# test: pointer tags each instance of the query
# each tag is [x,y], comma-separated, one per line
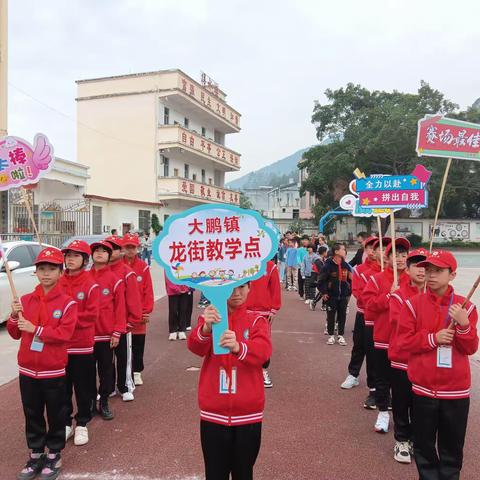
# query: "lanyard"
[447,318]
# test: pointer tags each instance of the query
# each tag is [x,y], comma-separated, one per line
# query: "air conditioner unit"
[106,228]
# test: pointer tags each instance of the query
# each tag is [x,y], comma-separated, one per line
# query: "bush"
[415,240]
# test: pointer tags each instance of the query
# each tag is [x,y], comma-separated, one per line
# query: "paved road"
[312,431]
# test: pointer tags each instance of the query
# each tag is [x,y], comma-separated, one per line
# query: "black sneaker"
[32,468]
[370,403]
[104,410]
[51,469]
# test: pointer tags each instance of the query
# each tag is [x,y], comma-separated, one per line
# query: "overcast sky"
[273,58]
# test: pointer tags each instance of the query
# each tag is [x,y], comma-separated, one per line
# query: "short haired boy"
[439,333]
[131,245]
[376,297]
[231,392]
[44,321]
[79,284]
[398,356]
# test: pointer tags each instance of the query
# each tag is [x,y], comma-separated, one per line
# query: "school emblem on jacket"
[225,381]
[139,278]
[105,291]
[57,314]
[246,334]
[80,296]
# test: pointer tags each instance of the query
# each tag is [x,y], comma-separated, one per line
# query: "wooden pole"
[394,250]
[379,224]
[26,201]
[439,204]
[3,67]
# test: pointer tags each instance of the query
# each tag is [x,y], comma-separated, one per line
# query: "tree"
[297,226]
[245,202]
[156,227]
[376,132]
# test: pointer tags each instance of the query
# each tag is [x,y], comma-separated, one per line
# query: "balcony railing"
[175,186]
[175,134]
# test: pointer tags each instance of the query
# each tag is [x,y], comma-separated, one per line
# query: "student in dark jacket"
[358,258]
[335,287]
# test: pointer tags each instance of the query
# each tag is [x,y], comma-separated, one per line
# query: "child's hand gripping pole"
[218,297]
[467,299]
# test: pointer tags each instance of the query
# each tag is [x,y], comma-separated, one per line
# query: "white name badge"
[225,381]
[444,356]
[37,344]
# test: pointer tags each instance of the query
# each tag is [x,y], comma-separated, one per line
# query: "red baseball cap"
[370,241]
[115,240]
[418,252]
[130,240]
[78,246]
[385,241]
[50,255]
[399,242]
[441,259]
[103,244]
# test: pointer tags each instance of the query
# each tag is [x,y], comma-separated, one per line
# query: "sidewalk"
[313,430]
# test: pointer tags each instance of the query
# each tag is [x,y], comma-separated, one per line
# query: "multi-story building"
[155,143]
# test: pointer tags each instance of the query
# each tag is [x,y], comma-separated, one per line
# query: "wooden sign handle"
[394,250]
[379,224]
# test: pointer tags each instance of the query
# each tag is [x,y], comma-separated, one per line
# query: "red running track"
[312,430]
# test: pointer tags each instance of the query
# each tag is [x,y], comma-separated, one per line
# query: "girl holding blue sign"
[230,392]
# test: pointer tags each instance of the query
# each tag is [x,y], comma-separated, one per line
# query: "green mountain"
[275,174]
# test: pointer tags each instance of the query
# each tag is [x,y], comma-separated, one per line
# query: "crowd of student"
[415,334]
[79,324]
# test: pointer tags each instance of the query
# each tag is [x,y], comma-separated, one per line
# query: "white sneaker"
[350,382]
[189,328]
[137,378]
[325,332]
[81,436]
[401,452]
[341,341]
[331,340]
[182,336]
[68,432]
[128,397]
[173,336]
[113,394]
[307,302]
[383,420]
[267,383]
[98,397]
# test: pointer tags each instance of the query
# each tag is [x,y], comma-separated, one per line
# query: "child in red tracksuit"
[79,284]
[111,322]
[131,244]
[398,356]
[133,318]
[376,298]
[231,393]
[265,298]
[44,321]
[439,335]
[360,276]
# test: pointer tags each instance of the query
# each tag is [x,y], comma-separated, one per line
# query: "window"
[144,220]
[36,249]
[186,171]
[22,255]
[97,220]
[194,177]
[166,167]
[175,172]
[186,122]
[166,116]
[203,176]
[204,132]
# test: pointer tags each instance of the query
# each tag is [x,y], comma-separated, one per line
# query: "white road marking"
[297,333]
[114,475]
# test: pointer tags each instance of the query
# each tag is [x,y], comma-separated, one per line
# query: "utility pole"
[3,67]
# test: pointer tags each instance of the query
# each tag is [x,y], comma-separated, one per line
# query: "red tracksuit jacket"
[376,298]
[85,291]
[145,286]
[133,302]
[420,319]
[361,274]
[54,328]
[397,354]
[242,402]
[265,295]
[111,320]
